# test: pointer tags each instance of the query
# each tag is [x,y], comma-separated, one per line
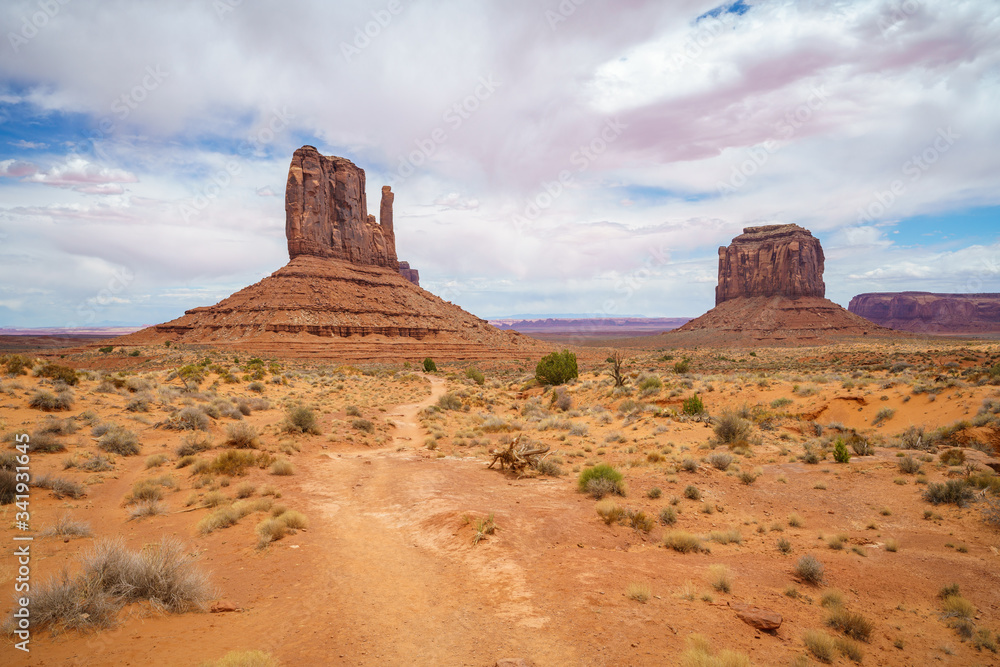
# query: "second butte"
[343,294]
[771,292]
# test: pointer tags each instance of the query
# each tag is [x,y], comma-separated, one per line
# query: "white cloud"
[173,104]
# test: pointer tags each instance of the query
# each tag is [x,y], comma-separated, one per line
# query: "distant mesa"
[343,294]
[927,312]
[771,292]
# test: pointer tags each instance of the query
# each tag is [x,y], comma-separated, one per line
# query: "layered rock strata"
[927,312]
[774,260]
[343,294]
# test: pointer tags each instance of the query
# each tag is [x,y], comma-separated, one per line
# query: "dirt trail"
[402,582]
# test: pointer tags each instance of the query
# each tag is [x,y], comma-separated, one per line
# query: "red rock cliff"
[774,260]
[326,212]
[929,312]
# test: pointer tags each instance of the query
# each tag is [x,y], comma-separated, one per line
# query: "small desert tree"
[557,368]
[429,365]
[617,361]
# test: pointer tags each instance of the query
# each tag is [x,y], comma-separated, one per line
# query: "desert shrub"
[232,462]
[475,375]
[640,520]
[954,491]
[809,570]
[784,546]
[860,445]
[820,644]
[430,366]
[282,467]
[682,366]
[952,457]
[638,591]
[59,486]
[556,368]
[46,401]
[693,405]
[44,443]
[852,624]
[241,435]
[689,465]
[699,653]
[17,365]
[668,516]
[8,486]
[300,419]
[681,541]
[731,536]
[146,508]
[112,576]
[609,511]
[155,461]
[654,493]
[92,463]
[194,444]
[67,527]
[148,489]
[913,438]
[748,477]
[57,372]
[245,490]
[720,578]
[139,403]
[55,426]
[364,425]
[561,400]
[549,468]
[449,401]
[721,460]
[270,530]
[601,480]
[650,384]
[731,428]
[840,452]
[245,659]
[691,492]
[190,418]
[991,510]
[908,465]
[119,440]
[885,414]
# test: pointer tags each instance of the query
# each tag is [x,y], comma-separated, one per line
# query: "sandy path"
[401,581]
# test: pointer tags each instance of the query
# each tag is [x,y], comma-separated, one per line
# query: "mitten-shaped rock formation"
[775,260]
[326,212]
[343,295]
[770,292]
[926,312]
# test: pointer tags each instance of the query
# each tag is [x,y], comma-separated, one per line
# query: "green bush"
[475,374]
[430,366]
[557,368]
[840,452]
[107,349]
[682,366]
[57,372]
[601,480]
[693,406]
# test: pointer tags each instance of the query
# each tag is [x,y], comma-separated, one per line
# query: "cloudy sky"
[548,156]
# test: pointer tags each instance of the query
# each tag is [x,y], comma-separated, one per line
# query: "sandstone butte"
[343,294]
[771,292]
[926,312]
